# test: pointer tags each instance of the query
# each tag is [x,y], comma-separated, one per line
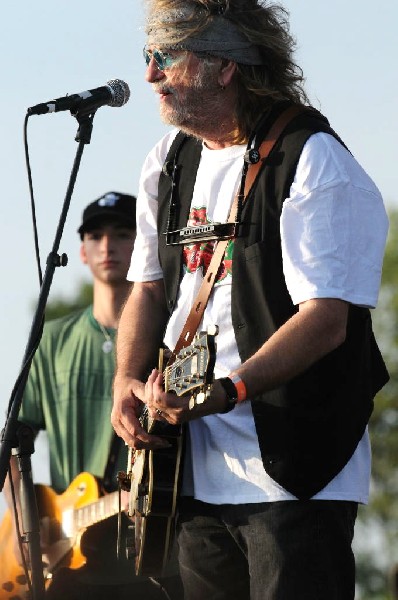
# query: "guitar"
[154,474]
[63,520]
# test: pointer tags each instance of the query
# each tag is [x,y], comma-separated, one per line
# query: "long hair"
[265,24]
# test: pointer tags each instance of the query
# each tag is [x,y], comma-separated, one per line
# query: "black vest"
[309,428]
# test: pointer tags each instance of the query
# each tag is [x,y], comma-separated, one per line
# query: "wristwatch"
[231,392]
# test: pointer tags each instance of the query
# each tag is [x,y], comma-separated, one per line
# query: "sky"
[347,50]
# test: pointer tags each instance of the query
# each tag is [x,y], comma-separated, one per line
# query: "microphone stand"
[19,438]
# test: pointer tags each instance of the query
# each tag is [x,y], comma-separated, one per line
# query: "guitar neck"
[97,511]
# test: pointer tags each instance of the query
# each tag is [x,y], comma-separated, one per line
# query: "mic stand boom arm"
[12,431]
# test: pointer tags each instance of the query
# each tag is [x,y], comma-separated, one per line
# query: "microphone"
[115,93]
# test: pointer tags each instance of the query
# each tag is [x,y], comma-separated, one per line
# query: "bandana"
[220,38]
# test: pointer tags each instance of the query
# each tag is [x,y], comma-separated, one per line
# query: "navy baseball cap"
[112,205]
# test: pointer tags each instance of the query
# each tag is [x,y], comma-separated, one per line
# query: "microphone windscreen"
[120,92]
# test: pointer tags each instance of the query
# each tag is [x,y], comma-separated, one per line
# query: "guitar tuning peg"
[200,398]
[212,329]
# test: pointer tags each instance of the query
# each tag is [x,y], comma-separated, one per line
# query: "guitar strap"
[198,307]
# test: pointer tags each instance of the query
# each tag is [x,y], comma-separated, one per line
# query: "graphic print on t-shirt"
[199,254]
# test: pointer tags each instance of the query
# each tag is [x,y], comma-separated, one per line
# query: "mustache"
[161,88]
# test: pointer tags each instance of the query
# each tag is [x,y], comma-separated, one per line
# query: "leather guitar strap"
[195,316]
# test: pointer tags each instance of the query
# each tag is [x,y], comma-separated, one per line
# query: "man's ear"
[83,256]
[227,71]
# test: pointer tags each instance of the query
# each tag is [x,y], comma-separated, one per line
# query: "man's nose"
[106,243]
[153,73]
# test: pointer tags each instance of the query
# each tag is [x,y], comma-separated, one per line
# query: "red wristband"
[240,387]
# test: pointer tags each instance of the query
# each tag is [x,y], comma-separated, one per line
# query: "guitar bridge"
[130,543]
[141,504]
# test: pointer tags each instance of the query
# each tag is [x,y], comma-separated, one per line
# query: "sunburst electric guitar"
[154,474]
[63,520]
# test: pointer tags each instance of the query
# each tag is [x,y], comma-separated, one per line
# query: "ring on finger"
[159,412]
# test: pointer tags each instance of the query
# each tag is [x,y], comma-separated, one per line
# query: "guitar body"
[62,541]
[155,474]
[12,577]
[56,511]
[156,502]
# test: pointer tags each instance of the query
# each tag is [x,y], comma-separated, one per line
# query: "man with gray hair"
[277,455]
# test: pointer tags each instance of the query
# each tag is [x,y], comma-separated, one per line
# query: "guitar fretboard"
[92,513]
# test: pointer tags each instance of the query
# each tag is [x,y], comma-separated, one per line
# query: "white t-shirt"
[333,230]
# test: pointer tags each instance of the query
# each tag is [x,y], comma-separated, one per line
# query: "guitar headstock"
[192,371]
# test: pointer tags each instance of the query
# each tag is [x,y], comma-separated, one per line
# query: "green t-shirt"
[68,394]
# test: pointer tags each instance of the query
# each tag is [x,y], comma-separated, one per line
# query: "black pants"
[290,550]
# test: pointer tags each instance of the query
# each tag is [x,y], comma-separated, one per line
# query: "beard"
[193,107]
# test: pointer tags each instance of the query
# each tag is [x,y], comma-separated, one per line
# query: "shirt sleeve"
[145,264]
[333,227]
